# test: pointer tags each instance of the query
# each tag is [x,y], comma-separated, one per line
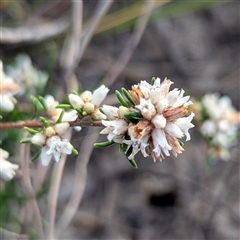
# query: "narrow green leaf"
[80,111]
[121,99]
[44,122]
[153,80]
[42,101]
[74,151]
[128,96]
[26,140]
[60,117]
[104,144]
[181,143]
[64,106]
[133,163]
[36,103]
[75,92]
[36,155]
[30,130]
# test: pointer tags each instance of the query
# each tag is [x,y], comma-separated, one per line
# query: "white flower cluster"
[7,89]
[220,124]
[26,75]
[159,121]
[7,169]
[88,103]
[52,142]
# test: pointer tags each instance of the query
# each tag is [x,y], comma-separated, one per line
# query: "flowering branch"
[39,124]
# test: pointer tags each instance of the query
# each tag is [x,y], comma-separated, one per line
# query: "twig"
[38,124]
[53,193]
[35,33]
[79,181]
[24,164]
[98,14]
[127,52]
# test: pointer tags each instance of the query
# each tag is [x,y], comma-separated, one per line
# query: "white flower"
[163,113]
[163,121]
[54,113]
[115,129]
[26,75]
[99,95]
[7,89]
[220,125]
[89,102]
[54,147]
[52,143]
[7,169]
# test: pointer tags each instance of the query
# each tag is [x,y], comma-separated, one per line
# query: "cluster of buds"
[218,122]
[151,119]
[52,142]
[87,103]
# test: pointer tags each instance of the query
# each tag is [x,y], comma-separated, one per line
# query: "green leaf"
[121,99]
[36,155]
[181,143]
[133,163]
[26,140]
[153,80]
[60,117]
[74,151]
[80,111]
[104,144]
[36,103]
[75,92]
[42,101]
[44,122]
[30,130]
[64,106]
[128,96]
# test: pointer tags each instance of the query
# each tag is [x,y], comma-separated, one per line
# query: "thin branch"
[80,177]
[131,45]
[24,163]
[35,33]
[38,124]
[53,193]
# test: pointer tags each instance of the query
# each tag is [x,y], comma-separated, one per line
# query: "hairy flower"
[7,89]
[162,124]
[7,169]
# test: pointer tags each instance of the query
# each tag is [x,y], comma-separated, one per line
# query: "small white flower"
[52,142]
[54,147]
[99,95]
[7,169]
[115,129]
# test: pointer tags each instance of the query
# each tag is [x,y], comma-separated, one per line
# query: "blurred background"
[118,43]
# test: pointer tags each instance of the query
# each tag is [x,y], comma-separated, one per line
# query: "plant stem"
[38,124]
